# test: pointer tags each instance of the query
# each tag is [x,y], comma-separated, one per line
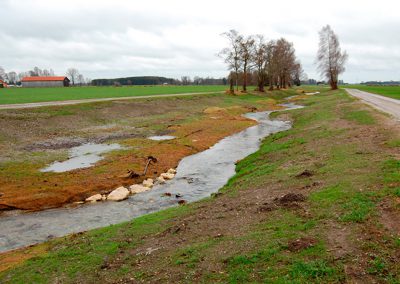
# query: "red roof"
[3,83]
[33,79]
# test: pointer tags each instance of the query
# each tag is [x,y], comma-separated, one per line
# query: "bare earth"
[74,102]
[388,105]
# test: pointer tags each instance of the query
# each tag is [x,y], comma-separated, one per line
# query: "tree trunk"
[231,90]
[236,80]
[261,86]
[271,84]
[245,77]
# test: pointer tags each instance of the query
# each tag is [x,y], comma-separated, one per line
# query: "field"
[387,91]
[33,95]
[316,204]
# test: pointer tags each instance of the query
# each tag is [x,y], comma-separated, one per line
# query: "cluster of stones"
[122,193]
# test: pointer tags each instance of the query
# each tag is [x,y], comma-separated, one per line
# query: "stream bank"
[194,181]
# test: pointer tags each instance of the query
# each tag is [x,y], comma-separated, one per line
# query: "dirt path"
[74,102]
[388,105]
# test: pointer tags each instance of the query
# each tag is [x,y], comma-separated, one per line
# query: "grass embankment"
[339,223]
[34,95]
[387,91]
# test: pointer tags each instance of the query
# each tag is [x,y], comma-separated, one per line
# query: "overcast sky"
[172,38]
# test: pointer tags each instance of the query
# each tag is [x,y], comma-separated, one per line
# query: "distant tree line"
[155,80]
[382,83]
[252,59]
[14,78]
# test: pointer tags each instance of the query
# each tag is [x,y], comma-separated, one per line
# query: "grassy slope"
[388,91]
[29,95]
[350,182]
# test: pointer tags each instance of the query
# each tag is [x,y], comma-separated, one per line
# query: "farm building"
[3,84]
[59,81]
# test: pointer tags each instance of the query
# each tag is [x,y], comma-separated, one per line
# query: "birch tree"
[231,54]
[330,58]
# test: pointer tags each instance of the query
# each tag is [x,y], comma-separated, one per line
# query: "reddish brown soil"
[15,257]
[37,192]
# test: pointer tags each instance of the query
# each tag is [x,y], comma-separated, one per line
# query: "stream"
[198,176]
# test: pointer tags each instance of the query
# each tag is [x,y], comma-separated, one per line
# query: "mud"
[302,243]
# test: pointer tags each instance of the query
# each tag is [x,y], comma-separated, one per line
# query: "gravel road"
[388,105]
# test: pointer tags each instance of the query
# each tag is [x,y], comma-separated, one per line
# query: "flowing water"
[198,176]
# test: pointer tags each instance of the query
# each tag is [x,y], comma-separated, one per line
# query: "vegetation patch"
[360,116]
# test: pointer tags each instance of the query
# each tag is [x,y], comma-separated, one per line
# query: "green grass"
[30,95]
[360,116]
[348,197]
[387,91]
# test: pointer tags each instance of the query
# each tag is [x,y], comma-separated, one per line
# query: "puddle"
[310,94]
[198,176]
[83,156]
[161,138]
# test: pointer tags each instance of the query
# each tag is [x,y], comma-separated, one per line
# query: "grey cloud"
[174,38]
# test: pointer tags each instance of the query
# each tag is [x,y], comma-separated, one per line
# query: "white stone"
[137,188]
[93,198]
[167,176]
[171,171]
[118,194]
[161,180]
[148,183]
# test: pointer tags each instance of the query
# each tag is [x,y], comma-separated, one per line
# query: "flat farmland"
[387,91]
[35,95]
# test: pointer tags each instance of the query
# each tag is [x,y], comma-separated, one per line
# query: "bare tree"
[12,77]
[73,74]
[81,79]
[185,80]
[271,63]
[37,71]
[330,58]
[46,73]
[297,74]
[246,54]
[231,54]
[285,60]
[21,75]
[2,73]
[259,59]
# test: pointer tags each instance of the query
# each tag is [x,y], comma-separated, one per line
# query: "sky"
[174,38]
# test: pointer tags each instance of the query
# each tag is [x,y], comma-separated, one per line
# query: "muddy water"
[83,156]
[198,176]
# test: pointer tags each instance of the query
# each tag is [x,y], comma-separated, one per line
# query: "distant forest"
[154,80]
